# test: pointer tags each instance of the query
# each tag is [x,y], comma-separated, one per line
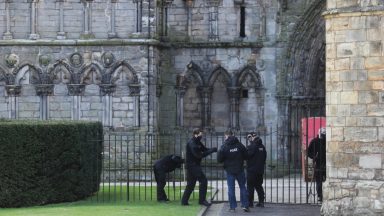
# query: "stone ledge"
[353,11]
[128,42]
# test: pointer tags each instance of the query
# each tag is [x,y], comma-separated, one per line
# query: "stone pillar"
[205,93]
[234,98]
[107,90]
[213,20]
[13,91]
[8,34]
[189,4]
[355,108]
[134,91]
[61,35]
[76,91]
[33,22]
[87,21]
[180,92]
[112,33]
[44,90]
[139,15]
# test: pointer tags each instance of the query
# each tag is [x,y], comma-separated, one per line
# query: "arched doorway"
[304,76]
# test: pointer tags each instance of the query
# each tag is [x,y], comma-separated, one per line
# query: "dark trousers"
[255,181]
[160,178]
[194,174]
[319,177]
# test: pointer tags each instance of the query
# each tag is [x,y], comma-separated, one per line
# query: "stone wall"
[354,85]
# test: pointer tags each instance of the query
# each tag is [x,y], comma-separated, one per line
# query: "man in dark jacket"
[233,154]
[161,168]
[195,152]
[316,151]
[257,156]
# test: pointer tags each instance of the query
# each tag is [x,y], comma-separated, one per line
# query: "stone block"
[342,64]
[373,161]
[350,97]
[359,110]
[375,109]
[340,23]
[375,63]
[346,50]
[357,63]
[361,134]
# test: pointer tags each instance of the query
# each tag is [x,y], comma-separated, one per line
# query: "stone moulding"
[13,90]
[44,89]
[354,11]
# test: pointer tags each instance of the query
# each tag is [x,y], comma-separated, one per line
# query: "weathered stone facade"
[354,85]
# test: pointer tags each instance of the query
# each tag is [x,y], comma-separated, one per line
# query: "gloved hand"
[214,149]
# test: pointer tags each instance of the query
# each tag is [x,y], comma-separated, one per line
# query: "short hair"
[197,131]
[228,132]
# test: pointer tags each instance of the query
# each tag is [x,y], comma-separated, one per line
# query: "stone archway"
[304,75]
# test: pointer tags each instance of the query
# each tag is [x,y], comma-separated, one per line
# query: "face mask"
[199,137]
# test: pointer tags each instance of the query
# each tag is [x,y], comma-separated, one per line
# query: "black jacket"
[168,163]
[196,151]
[232,153]
[316,151]
[257,156]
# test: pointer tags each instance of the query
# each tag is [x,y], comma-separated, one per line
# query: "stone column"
[213,20]
[13,91]
[61,35]
[76,91]
[107,90]
[134,90]
[205,93]
[44,90]
[234,98]
[355,108]
[189,4]
[87,21]
[180,92]
[139,15]
[112,33]
[8,34]
[33,22]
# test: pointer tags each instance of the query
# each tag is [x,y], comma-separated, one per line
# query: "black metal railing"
[128,159]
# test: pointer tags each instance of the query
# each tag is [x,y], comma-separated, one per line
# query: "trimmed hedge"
[48,161]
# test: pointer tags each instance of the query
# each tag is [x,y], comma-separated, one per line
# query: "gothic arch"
[4,76]
[92,73]
[254,79]
[22,70]
[117,69]
[192,75]
[305,65]
[216,73]
[63,73]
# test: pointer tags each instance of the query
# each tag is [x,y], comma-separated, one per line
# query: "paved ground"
[221,209]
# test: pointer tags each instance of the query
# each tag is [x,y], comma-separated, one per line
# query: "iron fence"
[128,159]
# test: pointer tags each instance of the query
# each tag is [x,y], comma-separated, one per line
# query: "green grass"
[112,200]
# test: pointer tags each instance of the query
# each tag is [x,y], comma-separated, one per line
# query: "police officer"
[257,156]
[195,152]
[233,154]
[316,151]
[161,167]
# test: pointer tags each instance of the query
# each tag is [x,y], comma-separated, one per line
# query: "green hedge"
[48,161]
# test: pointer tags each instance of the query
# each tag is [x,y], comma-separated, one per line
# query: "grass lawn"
[113,201]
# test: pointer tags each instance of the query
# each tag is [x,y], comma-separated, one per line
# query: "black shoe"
[205,203]
[163,200]
[251,205]
[246,209]
[185,204]
[260,205]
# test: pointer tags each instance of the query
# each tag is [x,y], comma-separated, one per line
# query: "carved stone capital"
[44,89]
[213,3]
[134,89]
[107,89]
[205,91]
[233,92]
[76,89]
[13,90]
[238,2]
[180,91]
